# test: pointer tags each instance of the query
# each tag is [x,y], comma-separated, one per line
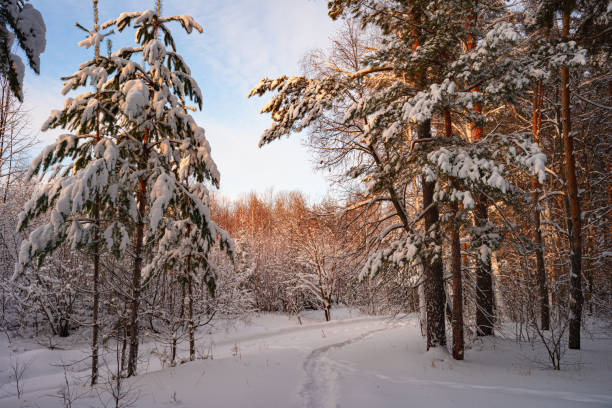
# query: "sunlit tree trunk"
[576,297]
[537,231]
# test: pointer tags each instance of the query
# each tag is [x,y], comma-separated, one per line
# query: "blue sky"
[243,41]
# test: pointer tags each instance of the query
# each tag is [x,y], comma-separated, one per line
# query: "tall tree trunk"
[608,230]
[457,287]
[96,245]
[138,255]
[537,232]
[576,297]
[435,296]
[484,281]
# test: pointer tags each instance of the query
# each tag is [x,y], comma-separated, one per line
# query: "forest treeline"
[469,143]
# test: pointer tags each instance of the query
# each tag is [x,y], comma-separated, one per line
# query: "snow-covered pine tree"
[169,154]
[420,86]
[79,192]
[153,158]
[96,238]
[20,20]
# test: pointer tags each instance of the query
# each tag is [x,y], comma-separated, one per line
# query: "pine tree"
[151,162]
[96,240]
[407,85]
[170,154]
[81,191]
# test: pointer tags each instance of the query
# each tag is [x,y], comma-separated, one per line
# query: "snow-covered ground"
[354,361]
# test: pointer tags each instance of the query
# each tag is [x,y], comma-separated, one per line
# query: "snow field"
[353,361]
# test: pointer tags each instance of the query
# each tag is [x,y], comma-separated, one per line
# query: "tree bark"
[96,298]
[457,287]
[484,281]
[124,336]
[576,298]
[138,255]
[191,322]
[96,245]
[537,232]
[608,234]
[435,296]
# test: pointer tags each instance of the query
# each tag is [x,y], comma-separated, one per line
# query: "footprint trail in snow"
[322,373]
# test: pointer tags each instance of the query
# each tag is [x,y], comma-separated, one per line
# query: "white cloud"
[282,166]
[243,41]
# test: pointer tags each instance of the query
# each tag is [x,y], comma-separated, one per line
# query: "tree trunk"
[542,282]
[96,300]
[574,204]
[608,231]
[96,245]
[191,322]
[173,350]
[4,107]
[133,354]
[457,287]
[64,327]
[124,336]
[457,317]
[484,282]
[537,232]
[500,303]
[422,309]
[10,168]
[435,296]
[137,269]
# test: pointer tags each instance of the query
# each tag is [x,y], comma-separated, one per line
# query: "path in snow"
[319,390]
